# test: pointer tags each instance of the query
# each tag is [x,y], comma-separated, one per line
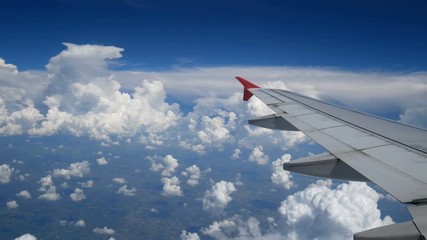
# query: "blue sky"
[122,119]
[159,34]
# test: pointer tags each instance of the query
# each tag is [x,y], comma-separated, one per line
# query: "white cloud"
[237,228]
[124,190]
[7,66]
[87,184]
[236,154]
[189,236]
[119,180]
[194,175]
[78,169]
[258,156]
[5,173]
[50,194]
[49,189]
[170,164]
[217,228]
[155,167]
[238,180]
[102,161]
[84,98]
[15,123]
[250,229]
[45,182]
[415,116]
[279,176]
[12,204]
[26,236]
[171,186]
[214,130]
[321,212]
[78,195]
[104,231]
[80,223]
[217,198]
[24,194]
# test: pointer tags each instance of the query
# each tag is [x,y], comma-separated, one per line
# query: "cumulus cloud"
[217,228]
[7,66]
[236,154]
[102,161]
[189,236]
[5,173]
[50,194]
[87,184]
[279,176]
[26,236]
[237,228]
[214,129]
[258,156]
[12,204]
[104,231]
[171,186]
[119,180]
[78,169]
[78,195]
[24,194]
[194,174]
[218,197]
[415,116]
[321,212]
[167,164]
[45,182]
[170,164]
[80,223]
[49,189]
[124,190]
[19,90]
[84,98]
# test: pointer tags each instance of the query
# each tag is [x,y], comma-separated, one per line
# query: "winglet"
[246,85]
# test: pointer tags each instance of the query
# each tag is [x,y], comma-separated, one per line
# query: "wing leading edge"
[360,147]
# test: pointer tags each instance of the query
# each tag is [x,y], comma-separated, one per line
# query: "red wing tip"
[246,84]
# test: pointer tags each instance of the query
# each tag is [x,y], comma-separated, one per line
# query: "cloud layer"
[79,94]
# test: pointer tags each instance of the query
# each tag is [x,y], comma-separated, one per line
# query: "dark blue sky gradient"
[387,34]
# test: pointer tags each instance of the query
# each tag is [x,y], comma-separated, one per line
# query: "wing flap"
[273,121]
[324,165]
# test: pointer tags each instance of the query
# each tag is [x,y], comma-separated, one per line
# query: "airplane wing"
[360,147]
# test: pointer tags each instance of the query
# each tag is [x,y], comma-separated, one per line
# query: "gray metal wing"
[360,147]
